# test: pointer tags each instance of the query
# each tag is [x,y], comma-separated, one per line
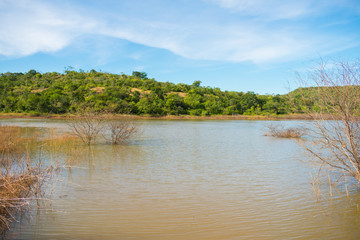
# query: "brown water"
[192,180]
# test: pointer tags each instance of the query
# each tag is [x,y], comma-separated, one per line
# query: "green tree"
[142,75]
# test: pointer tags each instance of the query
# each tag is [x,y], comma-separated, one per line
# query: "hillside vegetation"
[71,91]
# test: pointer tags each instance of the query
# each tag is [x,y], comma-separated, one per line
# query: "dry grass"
[98,90]
[38,90]
[180,94]
[57,139]
[9,139]
[142,92]
[15,141]
[21,175]
[281,132]
[18,188]
[68,145]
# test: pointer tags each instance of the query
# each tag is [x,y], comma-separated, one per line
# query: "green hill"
[57,93]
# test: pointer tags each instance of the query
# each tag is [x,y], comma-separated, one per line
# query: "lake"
[191,180]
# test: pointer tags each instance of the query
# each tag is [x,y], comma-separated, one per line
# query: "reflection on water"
[192,180]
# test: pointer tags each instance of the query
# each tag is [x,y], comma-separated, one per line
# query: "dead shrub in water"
[335,131]
[17,189]
[90,125]
[87,127]
[21,177]
[119,131]
[282,132]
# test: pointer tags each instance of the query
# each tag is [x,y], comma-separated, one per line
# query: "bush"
[281,132]
[90,125]
[21,178]
[119,131]
[336,122]
[87,127]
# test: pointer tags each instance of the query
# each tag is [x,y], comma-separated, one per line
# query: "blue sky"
[238,45]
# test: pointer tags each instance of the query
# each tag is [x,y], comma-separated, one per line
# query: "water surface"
[192,180]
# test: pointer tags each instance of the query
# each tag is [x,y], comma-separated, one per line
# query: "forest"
[69,92]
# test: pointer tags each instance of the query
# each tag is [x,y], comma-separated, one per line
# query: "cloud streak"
[28,27]
[266,9]
[279,10]
[256,31]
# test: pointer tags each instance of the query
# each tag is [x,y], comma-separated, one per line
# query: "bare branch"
[119,131]
[336,125]
[87,127]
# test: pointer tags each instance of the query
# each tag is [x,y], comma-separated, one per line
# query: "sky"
[236,45]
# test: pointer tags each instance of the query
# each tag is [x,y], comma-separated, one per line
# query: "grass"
[22,176]
[9,139]
[17,189]
[60,142]
[16,140]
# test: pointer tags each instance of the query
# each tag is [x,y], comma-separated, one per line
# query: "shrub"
[90,125]
[282,132]
[87,127]
[336,122]
[21,177]
[119,131]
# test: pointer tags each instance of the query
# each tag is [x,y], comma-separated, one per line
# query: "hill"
[71,91]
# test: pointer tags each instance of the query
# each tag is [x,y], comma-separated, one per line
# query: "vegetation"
[89,126]
[282,132]
[54,93]
[336,125]
[118,132]
[21,176]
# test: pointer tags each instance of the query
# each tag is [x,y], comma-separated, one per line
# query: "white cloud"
[267,8]
[278,9]
[29,27]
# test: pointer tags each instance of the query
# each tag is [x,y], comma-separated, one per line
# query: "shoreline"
[167,117]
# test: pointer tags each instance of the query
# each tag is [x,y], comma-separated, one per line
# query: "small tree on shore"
[336,117]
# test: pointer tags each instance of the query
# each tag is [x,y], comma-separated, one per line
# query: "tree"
[248,101]
[119,131]
[142,75]
[88,127]
[336,117]
[174,104]
[196,83]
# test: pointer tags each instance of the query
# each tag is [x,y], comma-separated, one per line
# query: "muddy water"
[192,180]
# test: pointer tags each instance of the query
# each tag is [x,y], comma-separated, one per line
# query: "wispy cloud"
[256,30]
[28,27]
[276,10]
[269,9]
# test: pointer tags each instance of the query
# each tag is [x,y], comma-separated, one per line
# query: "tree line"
[71,91]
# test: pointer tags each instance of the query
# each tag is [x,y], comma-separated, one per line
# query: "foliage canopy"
[71,91]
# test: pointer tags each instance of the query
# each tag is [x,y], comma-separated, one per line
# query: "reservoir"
[189,179]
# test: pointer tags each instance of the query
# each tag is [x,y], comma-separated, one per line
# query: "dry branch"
[21,177]
[87,127]
[281,132]
[119,131]
[336,125]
